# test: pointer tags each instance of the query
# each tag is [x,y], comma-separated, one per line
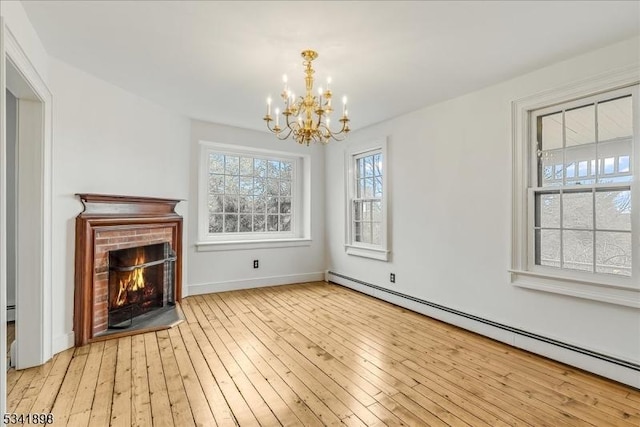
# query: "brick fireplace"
[108,225]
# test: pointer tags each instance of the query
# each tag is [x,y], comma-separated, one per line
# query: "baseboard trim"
[620,370]
[233,285]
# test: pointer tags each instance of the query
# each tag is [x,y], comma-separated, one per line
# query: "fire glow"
[132,283]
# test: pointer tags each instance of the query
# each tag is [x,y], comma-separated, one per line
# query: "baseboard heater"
[604,357]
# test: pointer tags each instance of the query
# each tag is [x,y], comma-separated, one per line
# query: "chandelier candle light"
[307,118]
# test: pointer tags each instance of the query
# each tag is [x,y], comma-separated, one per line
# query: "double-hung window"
[367,207]
[580,201]
[581,193]
[249,195]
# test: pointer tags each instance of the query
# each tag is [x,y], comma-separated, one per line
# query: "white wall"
[450,213]
[225,270]
[108,141]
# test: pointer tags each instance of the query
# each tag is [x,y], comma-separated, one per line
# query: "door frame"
[35,346]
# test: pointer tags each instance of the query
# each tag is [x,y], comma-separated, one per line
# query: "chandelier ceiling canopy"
[307,118]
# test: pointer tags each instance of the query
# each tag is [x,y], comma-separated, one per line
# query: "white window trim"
[379,252]
[614,290]
[301,220]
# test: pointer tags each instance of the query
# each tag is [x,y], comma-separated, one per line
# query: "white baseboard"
[233,285]
[609,367]
[63,342]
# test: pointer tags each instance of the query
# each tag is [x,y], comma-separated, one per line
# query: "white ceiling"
[218,61]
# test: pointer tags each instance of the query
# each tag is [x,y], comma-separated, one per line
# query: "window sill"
[624,295]
[236,245]
[373,253]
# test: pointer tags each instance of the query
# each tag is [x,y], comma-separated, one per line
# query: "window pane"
[357,210]
[366,232]
[548,248]
[246,185]
[272,222]
[246,166]
[551,131]
[272,205]
[285,205]
[615,119]
[259,186]
[377,186]
[580,125]
[231,203]
[286,170]
[376,237]
[215,203]
[259,223]
[230,223]
[216,184]
[377,164]
[285,222]
[548,210]
[366,211]
[245,204]
[368,188]
[259,204]
[550,162]
[613,210]
[216,163]
[260,167]
[357,231]
[245,223]
[376,211]
[577,160]
[273,170]
[215,223]
[623,164]
[615,165]
[231,184]
[232,165]
[273,188]
[577,210]
[577,250]
[613,253]
[368,166]
[285,188]
[360,191]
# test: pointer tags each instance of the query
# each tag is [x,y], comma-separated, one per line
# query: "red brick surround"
[111,223]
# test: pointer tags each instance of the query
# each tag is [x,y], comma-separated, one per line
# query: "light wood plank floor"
[313,354]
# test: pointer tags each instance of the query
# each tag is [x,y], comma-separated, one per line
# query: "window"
[582,185]
[575,221]
[250,195]
[367,217]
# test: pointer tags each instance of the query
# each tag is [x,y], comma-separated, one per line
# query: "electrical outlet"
[392,277]
[255,263]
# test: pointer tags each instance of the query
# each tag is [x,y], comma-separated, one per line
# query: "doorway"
[25,207]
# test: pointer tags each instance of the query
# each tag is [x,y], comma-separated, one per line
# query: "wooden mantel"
[111,222]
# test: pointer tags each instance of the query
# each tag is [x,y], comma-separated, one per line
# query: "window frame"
[299,235]
[352,154]
[524,272]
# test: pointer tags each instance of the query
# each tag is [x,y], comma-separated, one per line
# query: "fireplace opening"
[141,284]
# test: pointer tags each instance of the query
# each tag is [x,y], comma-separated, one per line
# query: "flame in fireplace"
[132,282]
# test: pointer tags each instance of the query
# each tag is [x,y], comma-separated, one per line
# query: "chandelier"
[307,118]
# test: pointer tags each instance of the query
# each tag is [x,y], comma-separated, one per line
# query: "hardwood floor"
[313,354]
